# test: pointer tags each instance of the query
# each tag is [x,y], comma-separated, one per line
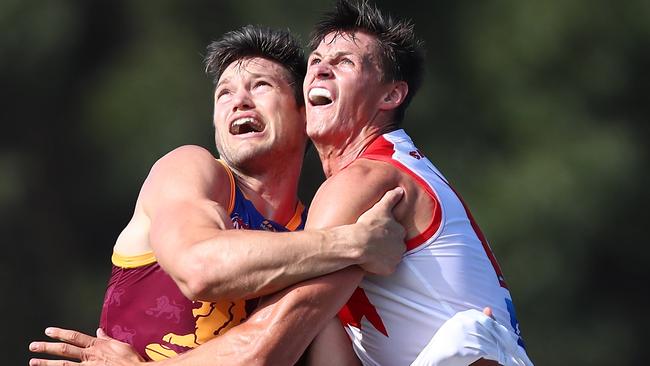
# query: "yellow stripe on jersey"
[231,203]
[133,261]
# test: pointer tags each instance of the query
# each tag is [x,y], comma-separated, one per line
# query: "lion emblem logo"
[212,319]
[164,307]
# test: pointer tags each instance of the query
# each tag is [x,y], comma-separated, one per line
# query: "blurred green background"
[537,111]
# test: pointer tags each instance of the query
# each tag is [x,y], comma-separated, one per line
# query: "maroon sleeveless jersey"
[145,308]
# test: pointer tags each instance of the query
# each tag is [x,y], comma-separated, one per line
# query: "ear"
[394,96]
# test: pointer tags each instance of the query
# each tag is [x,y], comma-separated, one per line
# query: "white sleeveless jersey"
[446,269]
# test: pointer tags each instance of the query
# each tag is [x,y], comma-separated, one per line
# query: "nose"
[242,100]
[322,71]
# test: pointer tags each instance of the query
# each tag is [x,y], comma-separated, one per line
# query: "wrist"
[346,244]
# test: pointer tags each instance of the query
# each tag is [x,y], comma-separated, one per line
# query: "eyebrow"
[336,55]
[254,76]
[223,81]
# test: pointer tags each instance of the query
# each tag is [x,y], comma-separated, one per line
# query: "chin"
[316,129]
[246,154]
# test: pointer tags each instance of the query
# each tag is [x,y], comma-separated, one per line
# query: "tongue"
[320,100]
[243,128]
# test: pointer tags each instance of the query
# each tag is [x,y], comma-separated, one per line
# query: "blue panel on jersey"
[245,216]
[514,322]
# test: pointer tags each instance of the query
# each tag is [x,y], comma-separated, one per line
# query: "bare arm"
[332,346]
[286,323]
[276,334]
[281,329]
[185,198]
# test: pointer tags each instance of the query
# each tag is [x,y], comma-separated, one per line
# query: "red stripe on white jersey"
[383,150]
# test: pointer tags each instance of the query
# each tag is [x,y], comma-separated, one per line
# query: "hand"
[91,351]
[385,242]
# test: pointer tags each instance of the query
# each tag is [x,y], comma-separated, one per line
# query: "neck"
[336,154]
[274,189]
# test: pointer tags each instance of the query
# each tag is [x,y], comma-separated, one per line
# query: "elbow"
[207,277]
[197,280]
[193,288]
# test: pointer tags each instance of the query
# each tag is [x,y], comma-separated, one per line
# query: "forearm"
[236,264]
[282,328]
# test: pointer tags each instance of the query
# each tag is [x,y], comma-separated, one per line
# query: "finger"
[56,349]
[488,311]
[70,336]
[42,362]
[390,199]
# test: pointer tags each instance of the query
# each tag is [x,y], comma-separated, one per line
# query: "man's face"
[342,87]
[255,114]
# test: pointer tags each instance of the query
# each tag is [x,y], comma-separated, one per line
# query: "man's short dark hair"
[257,41]
[401,53]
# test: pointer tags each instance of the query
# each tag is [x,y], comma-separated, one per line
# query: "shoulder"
[188,157]
[362,177]
[187,172]
[346,195]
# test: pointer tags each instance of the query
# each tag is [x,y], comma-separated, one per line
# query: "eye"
[261,86]
[314,61]
[347,61]
[260,83]
[222,93]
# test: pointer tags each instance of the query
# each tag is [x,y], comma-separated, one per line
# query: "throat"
[334,161]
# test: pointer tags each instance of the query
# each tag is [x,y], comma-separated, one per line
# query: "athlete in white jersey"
[447,269]
[363,70]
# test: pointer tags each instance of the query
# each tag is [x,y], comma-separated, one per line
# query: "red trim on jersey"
[382,149]
[486,246]
[359,306]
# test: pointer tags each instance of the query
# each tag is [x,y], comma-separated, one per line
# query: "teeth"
[320,92]
[241,121]
[245,125]
[320,96]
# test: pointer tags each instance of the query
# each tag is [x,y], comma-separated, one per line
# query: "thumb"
[101,334]
[390,199]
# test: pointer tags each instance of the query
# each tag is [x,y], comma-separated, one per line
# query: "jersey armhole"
[434,226]
[231,178]
[296,220]
[132,261]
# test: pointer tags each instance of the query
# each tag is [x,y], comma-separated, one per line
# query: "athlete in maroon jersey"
[189,201]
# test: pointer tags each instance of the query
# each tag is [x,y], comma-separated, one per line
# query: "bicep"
[185,198]
[347,195]
[178,224]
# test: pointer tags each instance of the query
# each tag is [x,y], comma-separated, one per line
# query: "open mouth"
[244,125]
[319,96]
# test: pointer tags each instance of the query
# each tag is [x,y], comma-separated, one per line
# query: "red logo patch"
[359,306]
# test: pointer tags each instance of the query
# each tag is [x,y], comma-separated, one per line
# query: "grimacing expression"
[343,86]
[256,116]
